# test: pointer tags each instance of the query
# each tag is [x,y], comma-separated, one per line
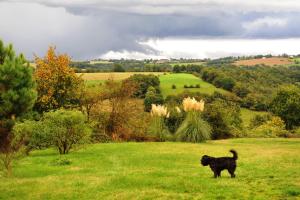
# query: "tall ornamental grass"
[157,127]
[193,128]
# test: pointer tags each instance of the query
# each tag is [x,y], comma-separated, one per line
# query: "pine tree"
[17,97]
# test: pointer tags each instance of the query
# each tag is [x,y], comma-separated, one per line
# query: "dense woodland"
[51,106]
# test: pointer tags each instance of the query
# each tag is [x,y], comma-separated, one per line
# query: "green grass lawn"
[267,169]
[181,79]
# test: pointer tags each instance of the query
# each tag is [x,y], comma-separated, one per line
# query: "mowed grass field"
[267,169]
[181,79]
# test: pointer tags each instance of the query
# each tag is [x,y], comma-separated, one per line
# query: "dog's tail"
[235,155]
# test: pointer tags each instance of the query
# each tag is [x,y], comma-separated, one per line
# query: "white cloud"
[213,48]
[130,55]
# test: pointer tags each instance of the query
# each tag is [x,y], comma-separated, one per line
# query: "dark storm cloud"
[95,27]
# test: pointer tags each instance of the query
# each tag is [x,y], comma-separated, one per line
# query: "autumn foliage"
[57,83]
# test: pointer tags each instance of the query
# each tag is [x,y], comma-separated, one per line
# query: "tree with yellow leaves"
[57,83]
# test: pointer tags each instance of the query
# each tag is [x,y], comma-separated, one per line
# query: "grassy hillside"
[247,115]
[182,79]
[267,169]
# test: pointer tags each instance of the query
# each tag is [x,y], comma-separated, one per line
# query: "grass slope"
[181,79]
[247,115]
[267,169]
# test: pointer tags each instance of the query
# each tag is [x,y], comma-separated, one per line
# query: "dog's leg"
[215,174]
[231,172]
[219,173]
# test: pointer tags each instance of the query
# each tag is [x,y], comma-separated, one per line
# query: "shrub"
[259,120]
[185,86]
[173,86]
[118,68]
[157,126]
[275,127]
[197,86]
[193,128]
[224,82]
[286,105]
[66,129]
[152,98]
[143,82]
[35,135]
[224,117]
[175,119]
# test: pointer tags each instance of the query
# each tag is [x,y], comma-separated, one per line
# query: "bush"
[157,127]
[259,120]
[118,68]
[275,127]
[197,86]
[175,119]
[152,98]
[224,82]
[173,86]
[143,82]
[35,135]
[66,129]
[224,117]
[193,129]
[185,86]
[286,105]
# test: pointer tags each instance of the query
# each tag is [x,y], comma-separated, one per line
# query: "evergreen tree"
[17,97]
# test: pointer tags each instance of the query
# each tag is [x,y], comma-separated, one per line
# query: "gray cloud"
[88,28]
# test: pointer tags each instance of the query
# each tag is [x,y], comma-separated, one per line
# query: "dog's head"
[205,160]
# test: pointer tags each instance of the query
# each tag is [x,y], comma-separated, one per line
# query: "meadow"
[166,81]
[267,169]
[181,79]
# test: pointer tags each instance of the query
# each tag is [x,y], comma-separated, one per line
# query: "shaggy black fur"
[219,164]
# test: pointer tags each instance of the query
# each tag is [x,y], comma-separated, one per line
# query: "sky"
[143,29]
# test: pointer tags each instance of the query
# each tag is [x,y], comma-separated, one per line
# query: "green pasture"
[181,79]
[267,169]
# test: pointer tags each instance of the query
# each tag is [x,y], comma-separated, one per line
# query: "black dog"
[219,164]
